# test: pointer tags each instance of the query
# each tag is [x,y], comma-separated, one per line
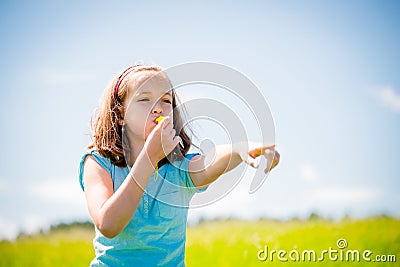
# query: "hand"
[250,151]
[161,141]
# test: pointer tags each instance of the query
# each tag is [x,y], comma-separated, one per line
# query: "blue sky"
[328,69]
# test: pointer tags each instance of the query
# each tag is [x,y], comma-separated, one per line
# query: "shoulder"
[192,156]
[103,161]
[184,163]
[191,164]
[93,162]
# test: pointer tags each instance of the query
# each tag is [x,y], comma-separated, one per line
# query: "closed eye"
[144,99]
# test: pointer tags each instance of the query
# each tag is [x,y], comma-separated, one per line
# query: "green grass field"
[229,243]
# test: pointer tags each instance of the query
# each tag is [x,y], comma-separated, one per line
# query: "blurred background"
[328,69]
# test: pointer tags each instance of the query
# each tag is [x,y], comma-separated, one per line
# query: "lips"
[158,119]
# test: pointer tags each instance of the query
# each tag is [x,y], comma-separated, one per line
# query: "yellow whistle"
[159,119]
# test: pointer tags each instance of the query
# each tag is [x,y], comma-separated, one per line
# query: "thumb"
[251,161]
[160,125]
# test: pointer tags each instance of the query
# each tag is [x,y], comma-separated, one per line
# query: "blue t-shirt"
[156,234]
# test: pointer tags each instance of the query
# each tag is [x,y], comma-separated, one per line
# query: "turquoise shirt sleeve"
[184,166]
[104,162]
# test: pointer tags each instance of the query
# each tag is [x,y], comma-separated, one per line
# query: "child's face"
[145,103]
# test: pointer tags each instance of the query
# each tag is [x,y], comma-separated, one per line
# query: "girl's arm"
[110,211]
[206,169]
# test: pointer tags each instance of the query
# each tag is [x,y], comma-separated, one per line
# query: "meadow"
[234,243]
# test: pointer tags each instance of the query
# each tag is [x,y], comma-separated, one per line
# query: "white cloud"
[343,195]
[8,229]
[33,223]
[309,173]
[65,190]
[389,98]
[65,200]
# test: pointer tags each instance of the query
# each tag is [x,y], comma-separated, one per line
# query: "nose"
[157,109]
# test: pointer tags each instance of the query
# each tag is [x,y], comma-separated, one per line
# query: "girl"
[139,200]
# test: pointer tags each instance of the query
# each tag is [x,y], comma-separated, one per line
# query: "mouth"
[158,119]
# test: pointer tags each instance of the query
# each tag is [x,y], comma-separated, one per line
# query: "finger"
[259,150]
[251,161]
[268,148]
[256,152]
[277,157]
[269,166]
[267,169]
[169,130]
[167,121]
[273,165]
[269,154]
[162,124]
[176,141]
[274,162]
[172,132]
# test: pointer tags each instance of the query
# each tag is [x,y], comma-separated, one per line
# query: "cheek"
[135,119]
[168,110]
[137,113]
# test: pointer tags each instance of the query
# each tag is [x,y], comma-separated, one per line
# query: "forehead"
[149,82]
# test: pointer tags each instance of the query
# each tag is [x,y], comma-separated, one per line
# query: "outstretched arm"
[206,169]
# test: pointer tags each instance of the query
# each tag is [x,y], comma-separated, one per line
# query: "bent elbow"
[109,234]
[108,230]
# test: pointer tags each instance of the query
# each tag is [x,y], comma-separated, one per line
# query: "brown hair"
[108,121]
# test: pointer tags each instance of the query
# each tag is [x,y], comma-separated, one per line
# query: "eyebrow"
[150,93]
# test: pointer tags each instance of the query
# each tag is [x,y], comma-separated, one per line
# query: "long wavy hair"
[108,119]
